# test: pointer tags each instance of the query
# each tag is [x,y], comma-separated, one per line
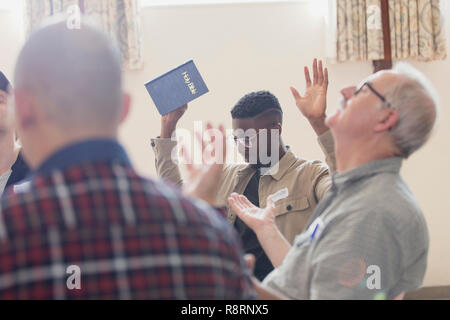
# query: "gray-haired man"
[367,238]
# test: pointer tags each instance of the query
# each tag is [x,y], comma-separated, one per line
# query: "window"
[11,5]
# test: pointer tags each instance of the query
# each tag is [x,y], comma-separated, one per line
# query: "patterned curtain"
[359,30]
[119,18]
[416,30]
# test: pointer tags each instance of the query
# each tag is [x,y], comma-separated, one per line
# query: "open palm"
[254,217]
[203,180]
[313,104]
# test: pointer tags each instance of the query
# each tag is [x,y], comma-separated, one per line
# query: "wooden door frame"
[385,63]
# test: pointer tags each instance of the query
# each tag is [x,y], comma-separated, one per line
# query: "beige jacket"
[306,181]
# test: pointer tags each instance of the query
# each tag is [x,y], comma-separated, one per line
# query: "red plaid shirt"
[131,238]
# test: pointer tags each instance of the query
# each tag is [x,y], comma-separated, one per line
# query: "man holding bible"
[87,226]
[301,183]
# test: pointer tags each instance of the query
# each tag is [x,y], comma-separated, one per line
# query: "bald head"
[72,75]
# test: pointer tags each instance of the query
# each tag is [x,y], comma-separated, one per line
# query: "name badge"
[280,194]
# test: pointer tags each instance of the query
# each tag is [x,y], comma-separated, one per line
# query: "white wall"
[245,47]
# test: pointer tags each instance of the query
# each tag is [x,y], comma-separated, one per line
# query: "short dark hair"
[4,82]
[255,103]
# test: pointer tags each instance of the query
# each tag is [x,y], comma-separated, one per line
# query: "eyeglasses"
[246,141]
[379,95]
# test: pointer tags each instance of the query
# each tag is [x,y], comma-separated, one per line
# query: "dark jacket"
[19,172]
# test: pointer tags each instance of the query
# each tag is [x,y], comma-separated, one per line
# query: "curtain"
[416,30]
[119,18]
[359,30]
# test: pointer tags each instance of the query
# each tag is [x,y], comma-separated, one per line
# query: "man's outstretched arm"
[313,105]
[164,147]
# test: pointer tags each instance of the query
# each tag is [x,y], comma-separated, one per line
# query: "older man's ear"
[126,106]
[387,119]
[25,115]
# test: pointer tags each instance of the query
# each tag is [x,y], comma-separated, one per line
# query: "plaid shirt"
[131,238]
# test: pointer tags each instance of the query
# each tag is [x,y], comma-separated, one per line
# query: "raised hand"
[255,218]
[314,102]
[170,120]
[203,180]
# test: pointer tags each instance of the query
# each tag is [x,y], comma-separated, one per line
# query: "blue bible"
[177,87]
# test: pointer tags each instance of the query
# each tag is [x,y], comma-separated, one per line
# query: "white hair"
[417,103]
